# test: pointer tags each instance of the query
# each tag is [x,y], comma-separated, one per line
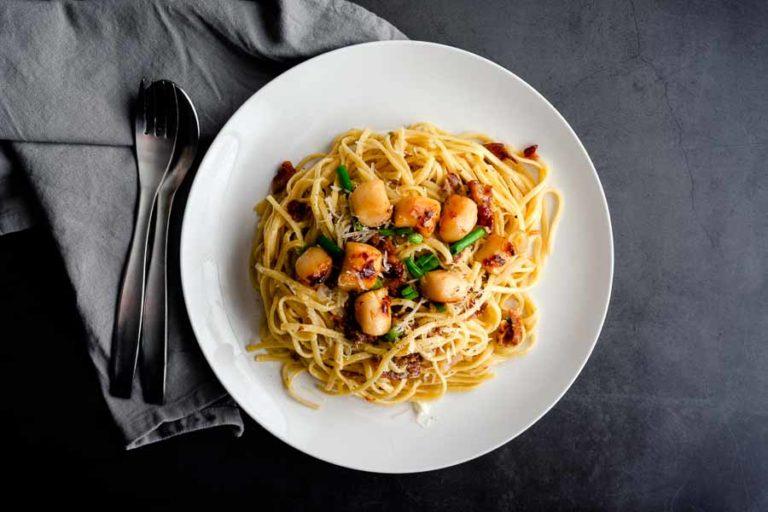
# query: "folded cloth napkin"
[68,74]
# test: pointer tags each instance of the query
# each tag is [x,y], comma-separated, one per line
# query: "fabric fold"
[69,73]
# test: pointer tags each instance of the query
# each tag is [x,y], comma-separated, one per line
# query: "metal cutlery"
[155,130]
[154,329]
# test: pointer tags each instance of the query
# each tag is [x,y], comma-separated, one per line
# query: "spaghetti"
[452,312]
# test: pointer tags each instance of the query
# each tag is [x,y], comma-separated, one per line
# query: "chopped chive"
[346,181]
[468,240]
[430,265]
[411,296]
[386,232]
[377,284]
[409,290]
[404,231]
[329,246]
[413,268]
[357,225]
[440,307]
[392,334]
[428,262]
[422,260]
[415,238]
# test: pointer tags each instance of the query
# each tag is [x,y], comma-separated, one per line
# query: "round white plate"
[383,86]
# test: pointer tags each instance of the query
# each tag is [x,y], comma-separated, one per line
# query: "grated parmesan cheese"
[408,319]
[360,236]
[324,293]
[423,416]
[329,204]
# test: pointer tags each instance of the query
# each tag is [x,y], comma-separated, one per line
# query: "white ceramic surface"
[383,86]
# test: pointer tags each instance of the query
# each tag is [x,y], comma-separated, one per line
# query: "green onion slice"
[329,246]
[346,181]
[413,268]
[468,240]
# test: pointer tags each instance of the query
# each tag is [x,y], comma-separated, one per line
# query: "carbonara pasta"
[396,267]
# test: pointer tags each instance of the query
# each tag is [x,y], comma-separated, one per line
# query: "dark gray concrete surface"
[670,413]
[671,101]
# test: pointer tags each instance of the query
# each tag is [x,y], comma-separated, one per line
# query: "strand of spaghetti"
[316,329]
[290,370]
[455,345]
[361,166]
[396,160]
[286,216]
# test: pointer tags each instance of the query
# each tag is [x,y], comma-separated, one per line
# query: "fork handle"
[125,338]
[154,332]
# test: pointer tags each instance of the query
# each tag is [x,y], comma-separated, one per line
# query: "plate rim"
[193,192]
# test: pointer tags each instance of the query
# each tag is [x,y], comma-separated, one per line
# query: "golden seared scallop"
[361,267]
[370,204]
[444,286]
[458,219]
[417,212]
[314,266]
[495,253]
[372,312]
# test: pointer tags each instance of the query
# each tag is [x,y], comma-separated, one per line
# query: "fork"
[155,129]
[154,328]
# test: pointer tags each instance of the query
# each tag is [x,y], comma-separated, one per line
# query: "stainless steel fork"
[155,129]
[154,329]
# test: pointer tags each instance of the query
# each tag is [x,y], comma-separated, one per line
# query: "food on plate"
[397,266]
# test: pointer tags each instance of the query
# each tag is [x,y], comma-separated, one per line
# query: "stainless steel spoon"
[155,130]
[154,331]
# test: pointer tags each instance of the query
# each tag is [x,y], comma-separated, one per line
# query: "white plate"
[386,85]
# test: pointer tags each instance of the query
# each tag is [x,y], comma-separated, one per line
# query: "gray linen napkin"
[68,74]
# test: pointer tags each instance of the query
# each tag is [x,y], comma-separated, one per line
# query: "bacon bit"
[499,150]
[368,270]
[298,210]
[412,364]
[426,217]
[452,185]
[510,331]
[530,151]
[481,310]
[394,270]
[385,304]
[483,196]
[338,320]
[283,175]
[383,243]
[319,277]
[495,261]
[396,275]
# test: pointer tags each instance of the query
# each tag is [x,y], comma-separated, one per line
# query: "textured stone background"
[671,412]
